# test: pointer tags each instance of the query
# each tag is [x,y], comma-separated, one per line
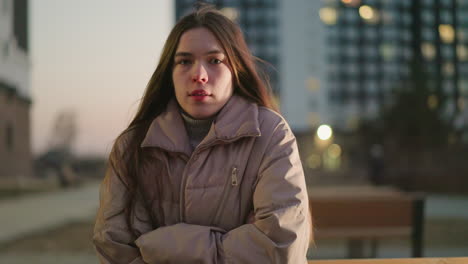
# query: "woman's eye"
[216,61]
[183,62]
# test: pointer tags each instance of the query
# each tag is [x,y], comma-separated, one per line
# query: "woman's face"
[202,77]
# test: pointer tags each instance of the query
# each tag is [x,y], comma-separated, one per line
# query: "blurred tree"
[59,155]
[414,118]
[64,131]
[411,126]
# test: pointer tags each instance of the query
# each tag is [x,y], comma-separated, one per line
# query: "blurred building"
[290,37]
[372,45]
[15,97]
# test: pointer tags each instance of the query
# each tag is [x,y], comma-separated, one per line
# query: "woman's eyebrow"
[183,54]
[188,54]
[214,52]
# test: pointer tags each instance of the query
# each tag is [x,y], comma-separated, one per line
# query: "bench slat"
[364,233]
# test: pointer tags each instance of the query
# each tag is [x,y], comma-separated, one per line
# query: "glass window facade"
[435,36]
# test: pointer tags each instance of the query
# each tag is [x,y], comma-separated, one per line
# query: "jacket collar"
[237,119]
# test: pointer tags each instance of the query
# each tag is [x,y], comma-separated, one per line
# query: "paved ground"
[25,215]
[60,258]
[444,206]
[35,217]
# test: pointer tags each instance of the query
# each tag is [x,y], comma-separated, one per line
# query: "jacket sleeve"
[279,234]
[114,243]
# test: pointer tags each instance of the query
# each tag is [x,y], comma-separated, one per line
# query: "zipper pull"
[234,176]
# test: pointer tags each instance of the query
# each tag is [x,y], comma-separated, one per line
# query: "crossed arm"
[279,233]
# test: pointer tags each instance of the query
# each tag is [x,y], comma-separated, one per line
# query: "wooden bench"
[367,213]
[395,261]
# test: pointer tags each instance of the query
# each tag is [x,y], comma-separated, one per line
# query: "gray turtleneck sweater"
[197,129]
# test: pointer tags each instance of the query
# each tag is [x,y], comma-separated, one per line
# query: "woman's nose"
[199,74]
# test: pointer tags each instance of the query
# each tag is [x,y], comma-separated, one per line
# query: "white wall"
[317,62]
[293,70]
[302,58]
[15,63]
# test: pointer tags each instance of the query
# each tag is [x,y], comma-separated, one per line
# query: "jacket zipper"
[234,176]
[234,182]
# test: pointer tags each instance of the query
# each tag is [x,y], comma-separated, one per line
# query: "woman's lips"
[199,95]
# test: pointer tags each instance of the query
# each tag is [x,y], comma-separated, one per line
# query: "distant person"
[207,171]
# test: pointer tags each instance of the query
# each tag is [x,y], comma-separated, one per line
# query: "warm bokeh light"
[366,12]
[324,132]
[387,51]
[334,151]
[314,161]
[313,84]
[328,15]
[461,103]
[432,101]
[230,12]
[448,68]
[428,50]
[462,52]
[353,3]
[369,14]
[446,32]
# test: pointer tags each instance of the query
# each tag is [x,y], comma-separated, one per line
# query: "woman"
[206,172]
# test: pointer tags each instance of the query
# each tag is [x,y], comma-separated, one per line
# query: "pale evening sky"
[94,57]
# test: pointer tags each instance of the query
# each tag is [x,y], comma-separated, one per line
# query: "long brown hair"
[127,157]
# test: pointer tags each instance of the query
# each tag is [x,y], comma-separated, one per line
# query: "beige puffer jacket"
[248,163]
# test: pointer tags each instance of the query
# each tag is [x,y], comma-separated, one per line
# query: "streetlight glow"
[230,12]
[353,3]
[366,12]
[334,151]
[324,132]
[447,33]
[328,15]
[369,14]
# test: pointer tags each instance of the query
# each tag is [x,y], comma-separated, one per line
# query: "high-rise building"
[373,46]
[15,98]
